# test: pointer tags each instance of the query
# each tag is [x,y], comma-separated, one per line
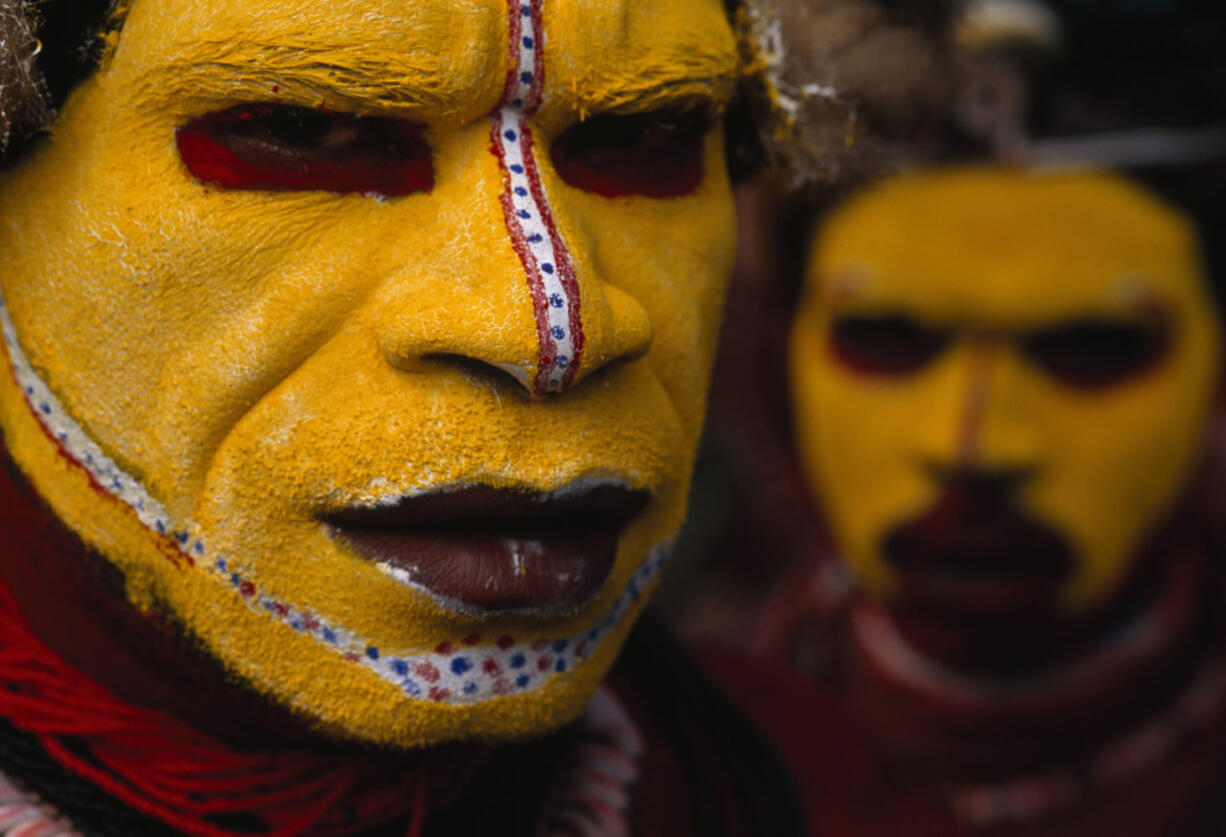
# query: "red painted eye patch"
[890,345]
[294,149]
[1087,353]
[656,154]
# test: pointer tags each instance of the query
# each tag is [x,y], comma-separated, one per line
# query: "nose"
[512,290]
[985,428]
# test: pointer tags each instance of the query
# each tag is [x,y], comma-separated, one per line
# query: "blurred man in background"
[1006,382]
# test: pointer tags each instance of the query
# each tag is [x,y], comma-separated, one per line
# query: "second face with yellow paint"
[1045,339]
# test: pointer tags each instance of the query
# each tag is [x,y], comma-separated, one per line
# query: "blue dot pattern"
[538,242]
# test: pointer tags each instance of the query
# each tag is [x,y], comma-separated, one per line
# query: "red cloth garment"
[1136,747]
[157,764]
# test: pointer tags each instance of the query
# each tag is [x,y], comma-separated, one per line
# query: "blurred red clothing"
[1138,750]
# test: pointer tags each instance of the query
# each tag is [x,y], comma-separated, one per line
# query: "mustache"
[976,531]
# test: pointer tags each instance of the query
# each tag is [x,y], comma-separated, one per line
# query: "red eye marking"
[1096,353]
[293,149]
[891,346]
[658,155]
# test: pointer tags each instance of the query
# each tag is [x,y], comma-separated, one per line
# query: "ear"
[23,102]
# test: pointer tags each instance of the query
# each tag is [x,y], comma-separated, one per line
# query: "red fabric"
[664,801]
[850,789]
[858,781]
[156,764]
[162,766]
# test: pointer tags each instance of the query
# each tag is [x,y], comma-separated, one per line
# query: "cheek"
[696,249]
[673,257]
[858,442]
[1120,461]
[143,302]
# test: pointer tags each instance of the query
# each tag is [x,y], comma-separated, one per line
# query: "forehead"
[444,58]
[1008,246]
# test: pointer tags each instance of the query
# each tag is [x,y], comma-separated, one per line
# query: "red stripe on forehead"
[525,81]
[538,60]
[515,28]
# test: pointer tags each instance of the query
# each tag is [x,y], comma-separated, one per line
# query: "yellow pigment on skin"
[255,358]
[1003,252]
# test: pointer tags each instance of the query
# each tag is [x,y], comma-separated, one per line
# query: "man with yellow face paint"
[355,358]
[1005,379]
[1003,384]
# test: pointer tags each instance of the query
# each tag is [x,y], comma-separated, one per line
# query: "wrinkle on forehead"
[446,60]
[308,68]
[659,81]
[439,58]
[635,55]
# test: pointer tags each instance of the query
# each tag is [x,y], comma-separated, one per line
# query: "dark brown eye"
[654,154]
[285,148]
[891,345]
[1094,353]
[307,128]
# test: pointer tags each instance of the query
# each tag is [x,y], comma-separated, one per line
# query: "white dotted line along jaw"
[463,671]
[528,216]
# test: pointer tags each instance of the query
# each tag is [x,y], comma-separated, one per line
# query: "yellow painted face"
[283,264]
[1050,336]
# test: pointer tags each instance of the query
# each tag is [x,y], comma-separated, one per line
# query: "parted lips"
[494,549]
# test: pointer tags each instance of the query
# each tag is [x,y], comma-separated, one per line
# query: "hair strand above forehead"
[23,102]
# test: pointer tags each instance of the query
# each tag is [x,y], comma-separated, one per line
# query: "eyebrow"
[302,68]
[685,75]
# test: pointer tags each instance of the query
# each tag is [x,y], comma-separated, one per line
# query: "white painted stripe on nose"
[529,219]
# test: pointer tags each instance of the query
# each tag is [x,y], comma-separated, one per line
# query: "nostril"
[496,376]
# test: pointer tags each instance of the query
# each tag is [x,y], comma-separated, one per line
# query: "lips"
[975,554]
[494,550]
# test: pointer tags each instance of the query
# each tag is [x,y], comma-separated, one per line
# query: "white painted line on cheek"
[465,671]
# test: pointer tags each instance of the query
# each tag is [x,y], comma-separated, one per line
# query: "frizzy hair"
[46,49]
[23,100]
[846,80]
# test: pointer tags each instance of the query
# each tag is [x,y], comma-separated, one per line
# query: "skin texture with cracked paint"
[256,359]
